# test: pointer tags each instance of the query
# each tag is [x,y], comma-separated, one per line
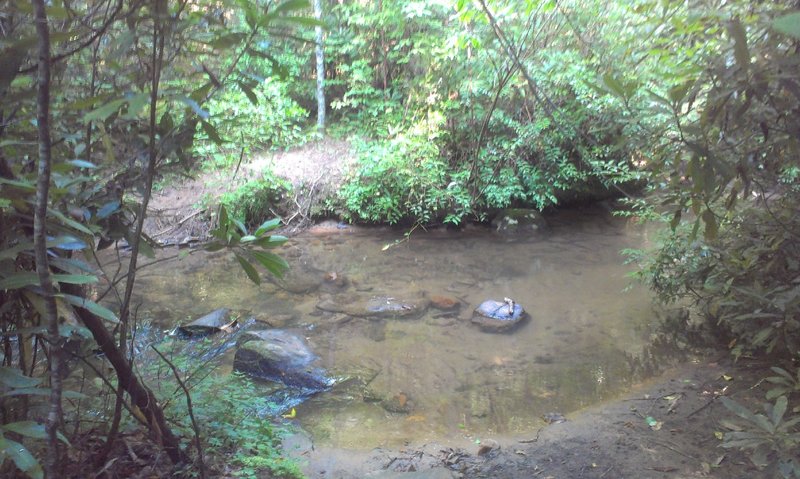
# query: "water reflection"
[437,375]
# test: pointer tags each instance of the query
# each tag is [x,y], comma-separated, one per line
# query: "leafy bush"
[745,281]
[405,179]
[229,407]
[251,202]
[771,438]
[247,120]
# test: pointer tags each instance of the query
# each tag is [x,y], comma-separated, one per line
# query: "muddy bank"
[664,428]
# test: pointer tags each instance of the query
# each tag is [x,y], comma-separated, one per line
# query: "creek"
[588,322]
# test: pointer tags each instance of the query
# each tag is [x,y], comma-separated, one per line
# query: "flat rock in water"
[379,307]
[496,316]
[280,356]
[209,324]
[301,280]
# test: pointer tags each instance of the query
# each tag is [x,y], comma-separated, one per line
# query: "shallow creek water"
[459,383]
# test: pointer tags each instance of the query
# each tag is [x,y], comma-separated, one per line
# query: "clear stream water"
[587,324]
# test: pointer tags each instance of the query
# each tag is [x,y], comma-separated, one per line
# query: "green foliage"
[229,407]
[771,438]
[246,120]
[251,202]
[229,411]
[249,248]
[404,179]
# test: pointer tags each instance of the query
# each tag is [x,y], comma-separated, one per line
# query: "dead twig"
[675,450]
[179,223]
[195,427]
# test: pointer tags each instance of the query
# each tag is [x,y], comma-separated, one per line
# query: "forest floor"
[665,428]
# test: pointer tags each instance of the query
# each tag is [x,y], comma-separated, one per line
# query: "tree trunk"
[54,416]
[320,68]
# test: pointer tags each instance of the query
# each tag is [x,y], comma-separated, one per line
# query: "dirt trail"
[182,212]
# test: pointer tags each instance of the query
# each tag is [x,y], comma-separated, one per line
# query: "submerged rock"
[211,323]
[365,306]
[497,317]
[398,403]
[280,356]
[301,280]
[519,220]
[445,303]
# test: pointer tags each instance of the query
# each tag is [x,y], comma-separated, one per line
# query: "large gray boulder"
[498,316]
[281,356]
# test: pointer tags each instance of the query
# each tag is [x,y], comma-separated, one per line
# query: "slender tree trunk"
[157,59]
[320,68]
[52,465]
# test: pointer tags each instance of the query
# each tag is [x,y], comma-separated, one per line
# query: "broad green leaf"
[19,280]
[24,185]
[249,93]
[135,105]
[239,225]
[75,278]
[31,429]
[614,85]
[42,392]
[248,268]
[67,243]
[677,93]
[107,209]
[779,410]
[90,306]
[69,221]
[215,246]
[194,106]
[290,5]
[710,221]
[212,132]
[304,21]
[272,262]
[11,253]
[146,249]
[740,50]
[782,372]
[788,24]
[268,225]
[738,409]
[22,458]
[27,428]
[81,164]
[271,241]
[102,113]
[13,378]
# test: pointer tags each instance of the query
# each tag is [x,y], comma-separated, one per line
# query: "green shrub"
[249,120]
[251,202]
[405,179]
